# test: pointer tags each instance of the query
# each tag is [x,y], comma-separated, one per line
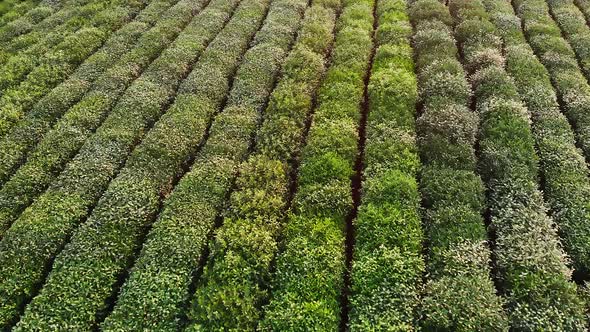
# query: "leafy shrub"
[61,143]
[559,58]
[531,264]
[234,284]
[562,164]
[47,224]
[131,201]
[459,294]
[73,50]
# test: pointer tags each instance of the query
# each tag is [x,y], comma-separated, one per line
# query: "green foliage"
[13,9]
[463,268]
[59,63]
[234,284]
[61,143]
[130,202]
[584,7]
[309,278]
[303,301]
[562,164]
[88,174]
[429,11]
[530,261]
[25,52]
[387,264]
[192,168]
[25,23]
[545,38]
[448,132]
[459,294]
[572,23]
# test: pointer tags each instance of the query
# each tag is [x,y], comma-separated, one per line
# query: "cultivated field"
[294,165]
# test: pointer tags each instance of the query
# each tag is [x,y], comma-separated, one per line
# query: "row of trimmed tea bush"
[15,146]
[13,9]
[565,175]
[85,274]
[52,30]
[584,6]
[310,269]
[234,284]
[573,26]
[62,142]
[26,22]
[174,246]
[459,294]
[8,5]
[61,62]
[531,265]
[572,88]
[16,63]
[47,224]
[387,262]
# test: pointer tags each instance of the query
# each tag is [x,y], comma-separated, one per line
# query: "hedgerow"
[532,271]
[79,123]
[234,282]
[584,6]
[27,132]
[8,5]
[459,294]
[174,246]
[117,223]
[61,62]
[387,264]
[307,285]
[13,9]
[565,175]
[16,63]
[557,56]
[51,30]
[27,22]
[47,224]
[33,30]
[573,25]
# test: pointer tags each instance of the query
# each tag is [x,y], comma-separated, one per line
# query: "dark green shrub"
[61,143]
[531,264]
[47,224]
[235,282]
[562,164]
[16,101]
[459,294]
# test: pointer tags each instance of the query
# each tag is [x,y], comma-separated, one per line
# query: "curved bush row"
[13,9]
[62,142]
[177,240]
[584,6]
[555,53]
[25,23]
[14,67]
[565,174]
[37,16]
[230,293]
[573,25]
[8,5]
[307,285]
[61,62]
[86,272]
[24,136]
[47,224]
[387,263]
[459,294]
[51,31]
[531,264]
